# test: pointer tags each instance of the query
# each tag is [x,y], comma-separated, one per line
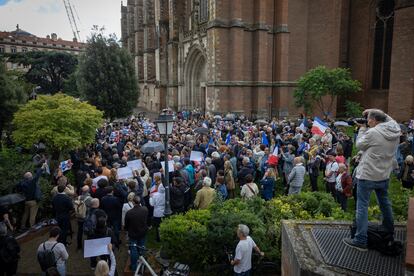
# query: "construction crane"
[72,20]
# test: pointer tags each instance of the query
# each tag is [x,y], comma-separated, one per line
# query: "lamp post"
[165,125]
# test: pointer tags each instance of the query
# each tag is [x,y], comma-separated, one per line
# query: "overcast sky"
[43,17]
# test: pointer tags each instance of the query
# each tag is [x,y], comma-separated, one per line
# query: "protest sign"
[135,164]
[170,166]
[124,173]
[96,247]
[196,156]
[157,174]
[66,165]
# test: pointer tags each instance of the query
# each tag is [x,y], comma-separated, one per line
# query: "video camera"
[361,121]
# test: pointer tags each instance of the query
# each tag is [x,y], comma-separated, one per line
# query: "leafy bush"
[353,109]
[200,237]
[13,165]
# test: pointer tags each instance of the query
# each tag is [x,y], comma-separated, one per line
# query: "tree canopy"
[49,70]
[13,91]
[106,77]
[60,121]
[320,82]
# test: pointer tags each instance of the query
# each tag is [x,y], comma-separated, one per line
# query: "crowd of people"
[241,159]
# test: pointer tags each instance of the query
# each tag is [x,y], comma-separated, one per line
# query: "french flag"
[319,127]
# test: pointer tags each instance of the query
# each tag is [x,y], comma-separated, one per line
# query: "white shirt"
[125,208]
[244,251]
[96,179]
[332,167]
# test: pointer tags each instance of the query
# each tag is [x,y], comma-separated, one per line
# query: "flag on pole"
[319,127]
[228,138]
[264,139]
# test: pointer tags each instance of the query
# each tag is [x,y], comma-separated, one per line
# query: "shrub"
[199,237]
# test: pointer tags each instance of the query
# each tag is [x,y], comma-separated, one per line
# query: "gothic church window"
[384,25]
[203,11]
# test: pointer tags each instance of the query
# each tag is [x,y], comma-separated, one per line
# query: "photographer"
[378,143]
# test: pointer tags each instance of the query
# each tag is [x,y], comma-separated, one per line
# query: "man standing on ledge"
[378,143]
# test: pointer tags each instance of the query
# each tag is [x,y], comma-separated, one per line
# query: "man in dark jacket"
[177,195]
[101,191]
[28,187]
[245,170]
[9,252]
[136,225]
[62,205]
[113,208]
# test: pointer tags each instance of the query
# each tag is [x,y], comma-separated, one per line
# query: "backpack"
[80,208]
[9,251]
[89,225]
[381,240]
[47,258]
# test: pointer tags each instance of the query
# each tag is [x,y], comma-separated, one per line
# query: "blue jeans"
[365,187]
[133,251]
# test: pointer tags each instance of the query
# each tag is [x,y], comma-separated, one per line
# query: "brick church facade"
[245,56]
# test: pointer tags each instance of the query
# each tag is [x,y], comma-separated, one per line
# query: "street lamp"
[165,125]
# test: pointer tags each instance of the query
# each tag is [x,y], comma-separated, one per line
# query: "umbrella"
[11,199]
[201,130]
[231,116]
[218,117]
[341,123]
[261,122]
[151,147]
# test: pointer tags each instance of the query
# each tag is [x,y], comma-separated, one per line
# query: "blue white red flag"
[319,127]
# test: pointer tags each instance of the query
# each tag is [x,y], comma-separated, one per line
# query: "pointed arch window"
[384,25]
[203,11]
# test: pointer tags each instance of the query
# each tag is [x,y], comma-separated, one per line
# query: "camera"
[361,121]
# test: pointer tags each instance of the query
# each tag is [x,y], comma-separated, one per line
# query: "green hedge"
[200,237]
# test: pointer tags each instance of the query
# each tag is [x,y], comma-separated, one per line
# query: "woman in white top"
[127,206]
[102,268]
[157,200]
[249,189]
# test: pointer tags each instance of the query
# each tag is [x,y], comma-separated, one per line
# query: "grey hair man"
[242,261]
[205,195]
[378,144]
[296,176]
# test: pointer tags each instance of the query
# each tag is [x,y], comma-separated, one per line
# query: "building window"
[384,25]
[203,11]
[24,49]
[2,50]
[34,42]
[13,50]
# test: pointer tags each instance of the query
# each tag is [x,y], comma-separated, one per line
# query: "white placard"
[196,156]
[124,173]
[135,164]
[155,174]
[96,247]
[170,165]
